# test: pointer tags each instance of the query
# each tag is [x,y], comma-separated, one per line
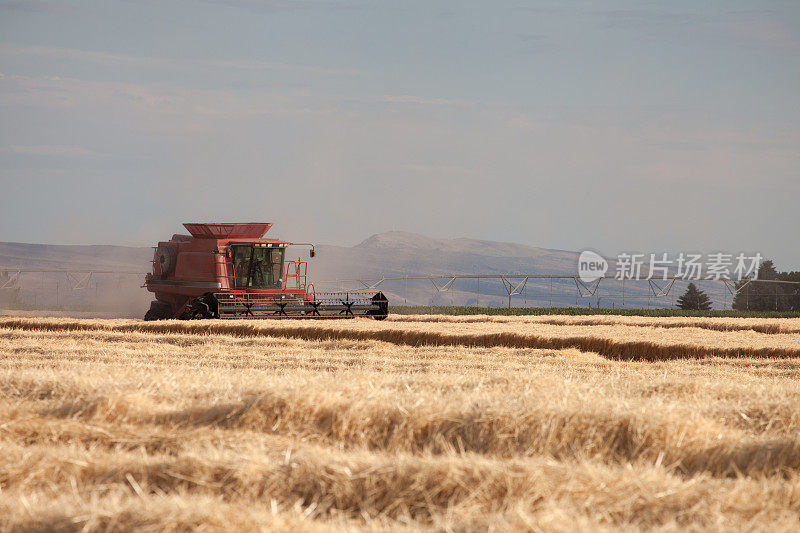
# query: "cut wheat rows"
[545,423]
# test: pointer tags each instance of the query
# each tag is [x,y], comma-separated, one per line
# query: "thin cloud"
[9,52]
[52,150]
[267,65]
[57,53]
[272,6]
[752,27]
[155,108]
[36,6]
[421,100]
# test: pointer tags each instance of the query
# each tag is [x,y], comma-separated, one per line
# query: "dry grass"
[761,325]
[618,341]
[549,424]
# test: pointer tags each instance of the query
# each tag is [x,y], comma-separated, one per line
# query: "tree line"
[760,294]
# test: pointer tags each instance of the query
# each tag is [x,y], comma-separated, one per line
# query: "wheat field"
[418,422]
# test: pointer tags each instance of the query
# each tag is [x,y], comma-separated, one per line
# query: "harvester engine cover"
[229,270]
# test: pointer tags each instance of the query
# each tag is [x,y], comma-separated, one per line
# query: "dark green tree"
[791,291]
[758,296]
[694,299]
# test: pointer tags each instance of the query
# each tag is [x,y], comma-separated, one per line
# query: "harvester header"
[229,270]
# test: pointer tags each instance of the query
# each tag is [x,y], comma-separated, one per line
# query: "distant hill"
[390,254]
[50,256]
[397,253]
[120,295]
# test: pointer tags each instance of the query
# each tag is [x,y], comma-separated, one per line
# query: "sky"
[616,126]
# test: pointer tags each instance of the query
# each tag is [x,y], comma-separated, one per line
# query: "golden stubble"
[543,423]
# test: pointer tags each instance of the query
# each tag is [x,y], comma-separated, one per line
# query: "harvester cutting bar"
[323,305]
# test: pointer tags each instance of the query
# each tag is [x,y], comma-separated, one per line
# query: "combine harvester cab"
[227,270]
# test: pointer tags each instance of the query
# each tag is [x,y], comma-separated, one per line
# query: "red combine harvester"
[225,270]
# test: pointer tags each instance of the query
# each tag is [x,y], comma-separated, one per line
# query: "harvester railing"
[299,274]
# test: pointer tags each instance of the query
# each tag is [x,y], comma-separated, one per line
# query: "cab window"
[257,268]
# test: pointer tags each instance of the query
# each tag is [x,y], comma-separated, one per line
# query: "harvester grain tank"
[229,270]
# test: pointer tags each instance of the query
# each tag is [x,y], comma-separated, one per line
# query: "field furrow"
[617,342]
